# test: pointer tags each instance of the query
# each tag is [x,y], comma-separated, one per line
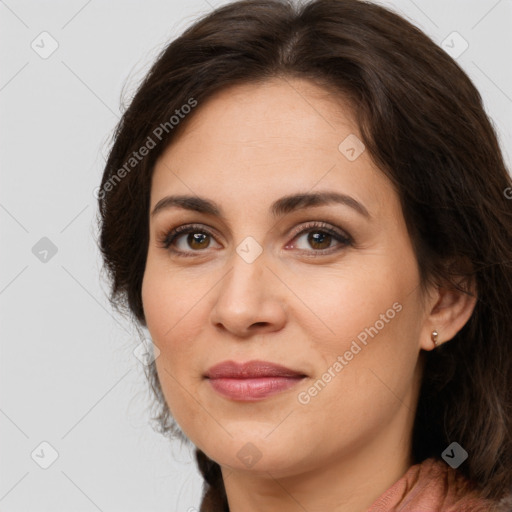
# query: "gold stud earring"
[434,336]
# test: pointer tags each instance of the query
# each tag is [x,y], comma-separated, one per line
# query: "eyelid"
[320,225]
[168,237]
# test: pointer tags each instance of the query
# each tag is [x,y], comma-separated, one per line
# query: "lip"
[250,370]
[253,380]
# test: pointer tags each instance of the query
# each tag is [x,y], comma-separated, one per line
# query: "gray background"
[68,375]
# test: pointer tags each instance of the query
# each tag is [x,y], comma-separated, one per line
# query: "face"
[327,288]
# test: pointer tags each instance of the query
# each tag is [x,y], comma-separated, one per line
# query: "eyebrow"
[282,206]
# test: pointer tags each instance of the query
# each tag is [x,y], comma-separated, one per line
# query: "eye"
[320,237]
[198,239]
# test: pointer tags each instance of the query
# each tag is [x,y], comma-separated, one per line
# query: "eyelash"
[168,239]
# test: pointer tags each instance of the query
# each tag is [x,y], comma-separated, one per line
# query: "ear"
[447,311]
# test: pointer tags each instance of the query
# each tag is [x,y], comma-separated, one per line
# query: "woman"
[307,209]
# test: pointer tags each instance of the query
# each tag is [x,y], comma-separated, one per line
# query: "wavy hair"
[423,123]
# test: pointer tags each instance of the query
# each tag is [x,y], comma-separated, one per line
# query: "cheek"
[367,361]
[339,305]
[371,386]
[171,304]
[174,322]
[176,312]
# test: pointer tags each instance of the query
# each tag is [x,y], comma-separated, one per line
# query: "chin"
[251,452]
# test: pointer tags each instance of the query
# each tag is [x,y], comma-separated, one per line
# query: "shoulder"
[433,486]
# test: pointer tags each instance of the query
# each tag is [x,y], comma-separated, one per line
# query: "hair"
[423,123]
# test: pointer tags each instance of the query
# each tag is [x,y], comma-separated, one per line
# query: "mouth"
[254,380]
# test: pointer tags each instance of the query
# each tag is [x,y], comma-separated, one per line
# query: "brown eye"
[198,239]
[320,237]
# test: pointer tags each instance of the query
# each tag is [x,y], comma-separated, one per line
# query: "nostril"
[259,324]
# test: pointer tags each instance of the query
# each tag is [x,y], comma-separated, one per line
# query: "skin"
[244,148]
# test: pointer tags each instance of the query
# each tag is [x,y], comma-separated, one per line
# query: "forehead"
[295,112]
[267,140]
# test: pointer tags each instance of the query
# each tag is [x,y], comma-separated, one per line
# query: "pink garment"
[433,486]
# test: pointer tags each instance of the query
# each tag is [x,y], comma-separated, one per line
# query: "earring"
[434,336]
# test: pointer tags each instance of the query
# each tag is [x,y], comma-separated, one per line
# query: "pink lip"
[251,381]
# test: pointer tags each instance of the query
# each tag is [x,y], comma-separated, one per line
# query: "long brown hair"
[423,122]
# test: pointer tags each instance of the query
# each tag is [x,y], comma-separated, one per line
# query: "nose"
[248,299]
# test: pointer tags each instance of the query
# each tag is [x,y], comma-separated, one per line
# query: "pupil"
[319,238]
[198,238]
